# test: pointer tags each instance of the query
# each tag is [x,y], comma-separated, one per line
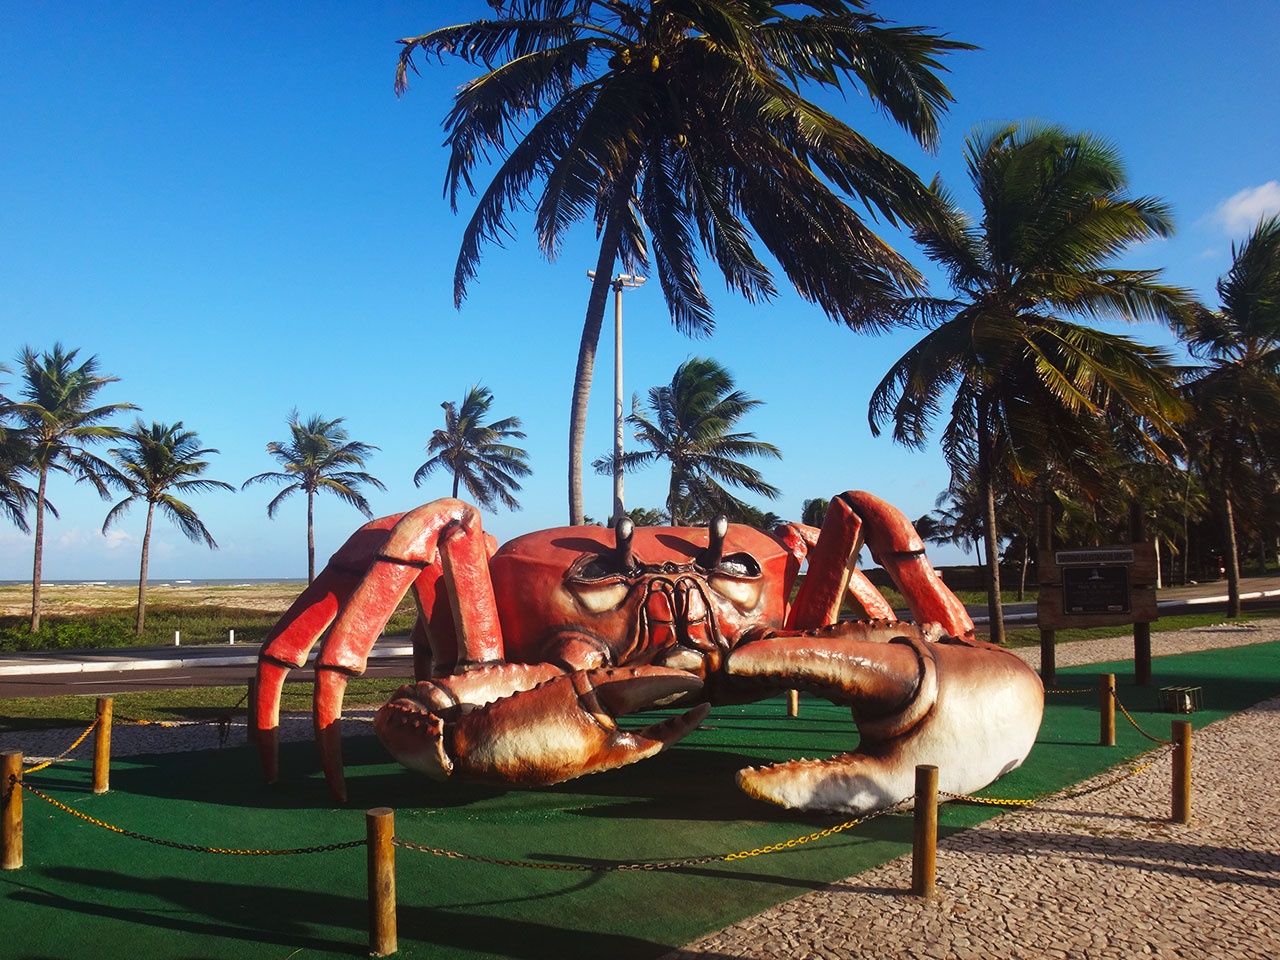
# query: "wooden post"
[1141,631]
[11,822]
[251,710]
[793,703]
[1107,709]
[1044,549]
[380,828]
[102,748]
[1048,658]
[1181,771]
[924,853]
[177,638]
[1142,654]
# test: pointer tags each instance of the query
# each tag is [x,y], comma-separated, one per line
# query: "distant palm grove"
[682,135]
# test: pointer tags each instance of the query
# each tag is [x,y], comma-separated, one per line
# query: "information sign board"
[1095,590]
[1097,587]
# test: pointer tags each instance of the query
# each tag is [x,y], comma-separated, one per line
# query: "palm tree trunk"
[455,486]
[609,241]
[311,537]
[995,608]
[672,489]
[38,562]
[1186,529]
[1022,580]
[142,573]
[1232,555]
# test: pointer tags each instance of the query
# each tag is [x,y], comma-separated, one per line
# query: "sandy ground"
[72,599]
[1103,876]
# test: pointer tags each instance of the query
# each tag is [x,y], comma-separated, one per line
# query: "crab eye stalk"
[625,531]
[717,530]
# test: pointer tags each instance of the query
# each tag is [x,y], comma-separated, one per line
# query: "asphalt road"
[109,682]
[103,672]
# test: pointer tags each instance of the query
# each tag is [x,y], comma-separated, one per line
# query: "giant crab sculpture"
[525,656]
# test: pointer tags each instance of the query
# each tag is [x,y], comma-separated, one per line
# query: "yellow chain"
[1129,717]
[798,841]
[660,865]
[1075,690]
[181,846]
[1058,796]
[79,740]
[990,801]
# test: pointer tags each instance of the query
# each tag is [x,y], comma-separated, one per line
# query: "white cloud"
[78,538]
[118,538]
[1240,214]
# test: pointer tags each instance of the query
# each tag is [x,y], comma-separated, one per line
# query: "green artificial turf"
[87,891]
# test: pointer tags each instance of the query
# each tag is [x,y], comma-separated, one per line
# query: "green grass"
[196,624]
[84,889]
[968,597]
[194,703]
[1031,637]
[211,703]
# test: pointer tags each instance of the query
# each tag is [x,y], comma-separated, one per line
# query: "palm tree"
[814,511]
[1031,388]
[1236,396]
[15,465]
[58,422]
[675,126]
[476,453]
[16,497]
[318,457]
[689,424]
[156,460]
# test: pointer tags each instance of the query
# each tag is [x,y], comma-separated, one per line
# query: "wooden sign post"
[1101,587]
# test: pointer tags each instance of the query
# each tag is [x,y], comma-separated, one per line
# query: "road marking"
[117,680]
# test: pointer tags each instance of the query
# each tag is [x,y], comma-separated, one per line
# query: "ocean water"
[160,582]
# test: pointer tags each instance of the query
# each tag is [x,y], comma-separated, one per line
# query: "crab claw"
[971,709]
[561,728]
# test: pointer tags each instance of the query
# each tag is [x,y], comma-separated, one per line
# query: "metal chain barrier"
[79,740]
[1129,717]
[651,865]
[992,801]
[1114,780]
[1048,690]
[181,846]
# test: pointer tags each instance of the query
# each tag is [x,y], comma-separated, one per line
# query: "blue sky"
[226,203]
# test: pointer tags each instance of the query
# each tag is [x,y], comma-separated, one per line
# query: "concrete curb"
[13,668]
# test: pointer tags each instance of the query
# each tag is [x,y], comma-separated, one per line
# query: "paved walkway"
[1097,877]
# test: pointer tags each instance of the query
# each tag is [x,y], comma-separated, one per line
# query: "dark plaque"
[1095,589]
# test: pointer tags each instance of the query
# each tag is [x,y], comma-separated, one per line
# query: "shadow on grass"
[288,918]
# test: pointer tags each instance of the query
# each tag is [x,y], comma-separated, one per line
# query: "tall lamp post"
[620,283]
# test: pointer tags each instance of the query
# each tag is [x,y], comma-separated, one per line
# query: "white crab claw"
[971,709]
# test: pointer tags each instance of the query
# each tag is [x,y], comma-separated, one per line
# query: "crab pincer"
[553,730]
[970,708]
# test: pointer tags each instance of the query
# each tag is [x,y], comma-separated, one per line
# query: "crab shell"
[559,598]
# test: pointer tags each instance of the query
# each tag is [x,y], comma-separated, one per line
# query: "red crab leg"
[855,517]
[293,636]
[445,530]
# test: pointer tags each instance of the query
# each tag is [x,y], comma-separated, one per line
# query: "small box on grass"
[1180,699]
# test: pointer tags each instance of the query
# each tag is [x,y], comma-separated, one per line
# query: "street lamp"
[619,283]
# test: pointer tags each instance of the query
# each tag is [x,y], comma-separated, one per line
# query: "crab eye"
[737,579]
[739,565]
[742,593]
[599,596]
